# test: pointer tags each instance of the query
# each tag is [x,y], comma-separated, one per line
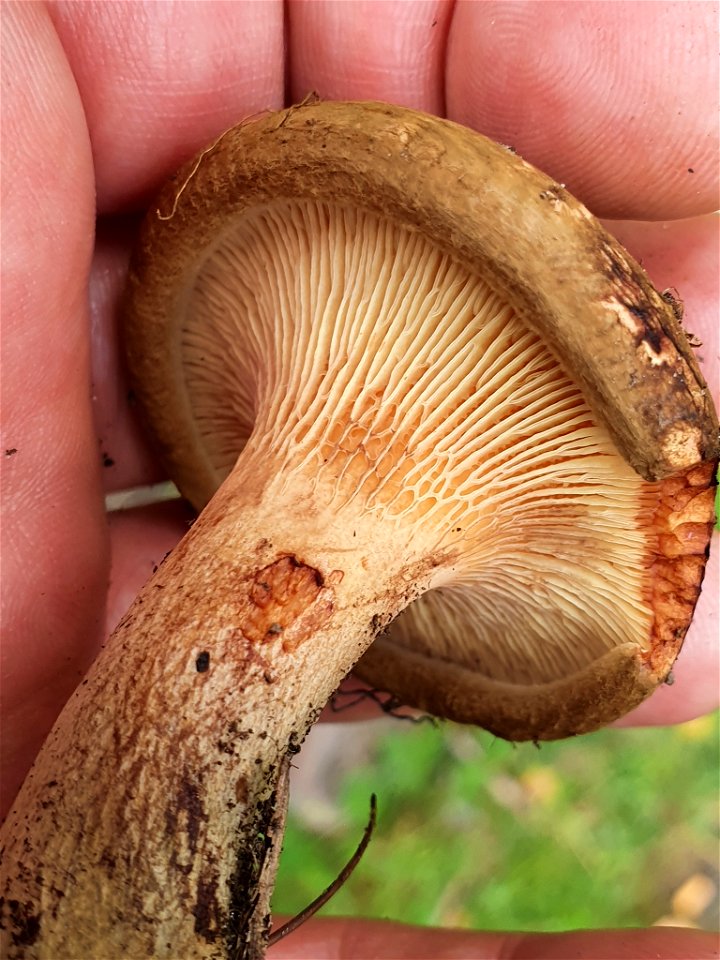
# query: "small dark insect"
[11,452]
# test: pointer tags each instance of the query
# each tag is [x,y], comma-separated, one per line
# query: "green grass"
[474,832]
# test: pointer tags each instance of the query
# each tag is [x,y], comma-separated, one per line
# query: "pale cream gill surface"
[356,352]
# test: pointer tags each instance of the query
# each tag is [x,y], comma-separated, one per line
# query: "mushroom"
[444,380]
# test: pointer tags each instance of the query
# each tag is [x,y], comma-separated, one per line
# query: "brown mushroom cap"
[436,333]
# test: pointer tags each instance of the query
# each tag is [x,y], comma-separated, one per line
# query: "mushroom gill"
[344,346]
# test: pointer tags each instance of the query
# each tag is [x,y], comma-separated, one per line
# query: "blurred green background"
[619,828]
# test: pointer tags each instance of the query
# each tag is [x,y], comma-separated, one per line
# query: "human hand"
[111,98]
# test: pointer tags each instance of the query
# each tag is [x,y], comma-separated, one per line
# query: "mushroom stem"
[150,823]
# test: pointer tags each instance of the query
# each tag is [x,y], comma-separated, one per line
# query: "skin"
[107,99]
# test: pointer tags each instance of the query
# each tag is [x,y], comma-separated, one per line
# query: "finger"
[356,940]
[369,50]
[141,539]
[618,101]
[54,549]
[656,943]
[126,453]
[160,80]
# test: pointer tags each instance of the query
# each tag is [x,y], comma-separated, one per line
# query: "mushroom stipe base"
[436,420]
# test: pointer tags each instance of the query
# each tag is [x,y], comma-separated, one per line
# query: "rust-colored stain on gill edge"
[681,520]
[288,600]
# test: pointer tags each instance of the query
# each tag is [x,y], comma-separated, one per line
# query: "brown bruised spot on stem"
[286,599]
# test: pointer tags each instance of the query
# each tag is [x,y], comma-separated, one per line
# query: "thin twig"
[329,892]
[388,703]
